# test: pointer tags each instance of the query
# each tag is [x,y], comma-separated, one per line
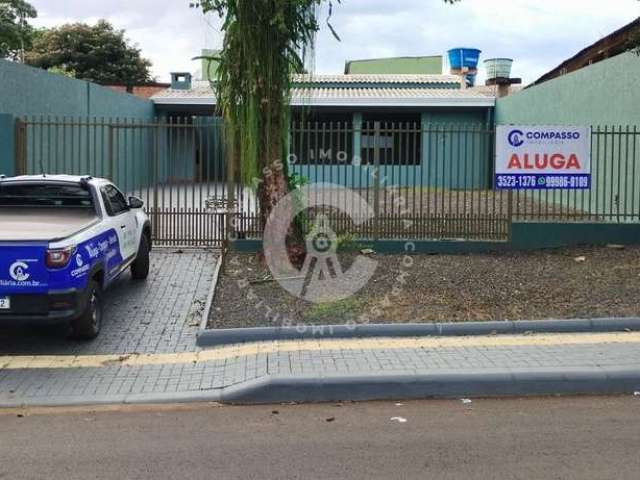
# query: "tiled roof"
[373,79]
[380,94]
[302,93]
[198,90]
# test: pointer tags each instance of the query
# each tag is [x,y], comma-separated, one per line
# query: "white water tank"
[498,67]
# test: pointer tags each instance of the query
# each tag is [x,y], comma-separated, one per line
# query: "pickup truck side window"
[114,201]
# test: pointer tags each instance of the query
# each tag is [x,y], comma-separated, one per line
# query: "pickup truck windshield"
[44,195]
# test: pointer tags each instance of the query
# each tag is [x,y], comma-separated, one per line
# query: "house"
[340,120]
[620,41]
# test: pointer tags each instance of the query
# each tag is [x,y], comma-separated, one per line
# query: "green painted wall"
[396,65]
[7,138]
[33,92]
[456,151]
[603,93]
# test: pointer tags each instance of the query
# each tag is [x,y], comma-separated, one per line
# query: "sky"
[537,34]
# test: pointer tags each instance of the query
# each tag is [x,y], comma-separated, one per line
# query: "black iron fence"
[420,181]
[175,165]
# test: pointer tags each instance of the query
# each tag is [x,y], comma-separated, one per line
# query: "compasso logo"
[18,271]
[516,138]
[322,277]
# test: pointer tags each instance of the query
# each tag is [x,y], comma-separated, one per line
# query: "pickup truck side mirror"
[135,203]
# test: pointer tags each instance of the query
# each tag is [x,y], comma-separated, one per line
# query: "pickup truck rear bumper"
[51,308]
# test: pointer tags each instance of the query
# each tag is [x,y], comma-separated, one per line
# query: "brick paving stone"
[157,316]
[158,325]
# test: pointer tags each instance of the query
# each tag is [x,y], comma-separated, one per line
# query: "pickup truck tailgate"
[23,269]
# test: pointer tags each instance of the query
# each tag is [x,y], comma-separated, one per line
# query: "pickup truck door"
[121,219]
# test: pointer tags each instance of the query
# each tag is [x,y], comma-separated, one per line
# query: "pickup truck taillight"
[59,258]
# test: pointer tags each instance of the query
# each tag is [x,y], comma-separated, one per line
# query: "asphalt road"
[568,438]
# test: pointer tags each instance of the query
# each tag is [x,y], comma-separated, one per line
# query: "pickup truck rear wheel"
[140,266]
[87,326]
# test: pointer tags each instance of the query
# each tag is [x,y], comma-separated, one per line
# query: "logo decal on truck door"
[18,271]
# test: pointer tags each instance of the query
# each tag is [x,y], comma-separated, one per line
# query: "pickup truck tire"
[87,326]
[140,266]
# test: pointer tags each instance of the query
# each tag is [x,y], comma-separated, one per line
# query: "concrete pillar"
[425,121]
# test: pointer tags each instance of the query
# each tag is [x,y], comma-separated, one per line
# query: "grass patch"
[334,312]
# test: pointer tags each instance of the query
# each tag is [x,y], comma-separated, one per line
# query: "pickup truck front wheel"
[140,266]
[87,326]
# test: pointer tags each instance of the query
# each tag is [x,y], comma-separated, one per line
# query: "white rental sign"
[529,157]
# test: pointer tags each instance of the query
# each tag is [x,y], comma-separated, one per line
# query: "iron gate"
[176,166]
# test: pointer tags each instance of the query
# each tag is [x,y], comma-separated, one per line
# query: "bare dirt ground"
[586,282]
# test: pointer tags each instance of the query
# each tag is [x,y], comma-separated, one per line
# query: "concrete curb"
[206,313]
[216,337]
[130,399]
[403,385]
[444,384]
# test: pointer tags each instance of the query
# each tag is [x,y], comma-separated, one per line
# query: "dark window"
[321,139]
[44,195]
[398,143]
[114,200]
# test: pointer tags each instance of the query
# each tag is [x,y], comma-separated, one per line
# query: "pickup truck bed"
[63,240]
[42,224]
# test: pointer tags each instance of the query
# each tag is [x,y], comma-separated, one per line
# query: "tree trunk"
[274,185]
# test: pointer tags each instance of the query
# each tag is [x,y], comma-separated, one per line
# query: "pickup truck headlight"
[60,257]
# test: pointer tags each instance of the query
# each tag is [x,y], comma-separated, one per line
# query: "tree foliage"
[265,41]
[98,53]
[15,31]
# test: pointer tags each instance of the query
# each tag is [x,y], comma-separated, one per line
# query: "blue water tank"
[464,58]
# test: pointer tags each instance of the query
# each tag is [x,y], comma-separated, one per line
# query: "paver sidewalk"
[331,369]
[161,314]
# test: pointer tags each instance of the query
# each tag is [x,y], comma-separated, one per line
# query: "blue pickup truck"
[63,241]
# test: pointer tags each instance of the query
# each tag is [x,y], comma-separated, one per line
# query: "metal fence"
[174,165]
[421,181]
[428,182]
[615,189]
[441,178]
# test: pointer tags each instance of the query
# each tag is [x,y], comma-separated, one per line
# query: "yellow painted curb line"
[289,346]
